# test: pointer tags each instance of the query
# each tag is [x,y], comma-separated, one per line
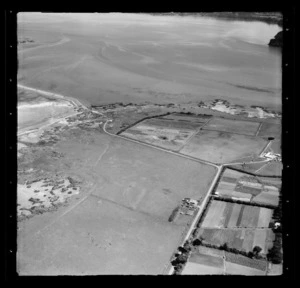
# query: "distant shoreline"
[266,17]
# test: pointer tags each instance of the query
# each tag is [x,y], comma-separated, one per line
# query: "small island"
[277,40]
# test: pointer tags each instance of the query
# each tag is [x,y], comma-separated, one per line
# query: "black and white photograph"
[149,143]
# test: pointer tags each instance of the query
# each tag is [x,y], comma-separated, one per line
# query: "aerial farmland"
[136,156]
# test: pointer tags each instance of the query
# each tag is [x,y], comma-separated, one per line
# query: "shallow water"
[121,57]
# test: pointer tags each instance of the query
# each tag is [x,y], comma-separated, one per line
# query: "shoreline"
[217,105]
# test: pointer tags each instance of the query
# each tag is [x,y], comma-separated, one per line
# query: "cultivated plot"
[239,226]
[243,239]
[239,186]
[259,264]
[223,214]
[222,147]
[232,126]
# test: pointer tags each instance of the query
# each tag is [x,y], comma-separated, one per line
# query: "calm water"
[164,55]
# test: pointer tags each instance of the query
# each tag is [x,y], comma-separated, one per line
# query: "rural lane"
[200,211]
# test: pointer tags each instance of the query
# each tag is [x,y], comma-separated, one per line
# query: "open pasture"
[140,178]
[192,268]
[276,146]
[236,269]
[204,264]
[129,195]
[163,133]
[99,237]
[221,147]
[205,259]
[232,126]
[230,173]
[270,130]
[272,169]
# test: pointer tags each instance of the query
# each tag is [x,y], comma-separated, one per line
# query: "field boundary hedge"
[226,199]
[252,174]
[141,120]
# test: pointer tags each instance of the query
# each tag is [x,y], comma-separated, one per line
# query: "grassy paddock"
[233,126]
[221,147]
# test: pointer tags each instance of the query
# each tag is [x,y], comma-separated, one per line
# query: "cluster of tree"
[252,174]
[275,253]
[255,253]
[182,256]
[227,199]
[277,214]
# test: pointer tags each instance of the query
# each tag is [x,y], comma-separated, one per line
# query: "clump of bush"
[181,257]
[174,214]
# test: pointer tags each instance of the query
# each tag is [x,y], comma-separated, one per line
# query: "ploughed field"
[253,189]
[239,226]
